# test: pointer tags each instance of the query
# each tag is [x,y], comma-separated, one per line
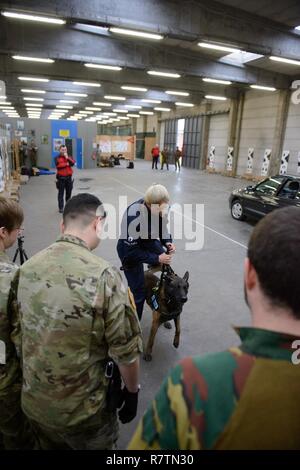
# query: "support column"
[234,131]
[279,134]
[205,137]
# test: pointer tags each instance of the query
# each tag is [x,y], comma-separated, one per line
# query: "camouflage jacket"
[74,312]
[244,398]
[10,372]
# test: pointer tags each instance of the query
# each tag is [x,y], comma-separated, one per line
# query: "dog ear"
[186,276]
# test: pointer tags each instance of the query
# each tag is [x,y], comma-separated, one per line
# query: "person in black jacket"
[144,239]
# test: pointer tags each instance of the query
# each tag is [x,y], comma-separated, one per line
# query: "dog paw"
[168,325]
[147,357]
[176,343]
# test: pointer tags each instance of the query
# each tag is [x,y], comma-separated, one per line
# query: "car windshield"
[270,186]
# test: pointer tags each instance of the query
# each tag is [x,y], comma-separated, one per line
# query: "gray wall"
[218,135]
[86,130]
[292,138]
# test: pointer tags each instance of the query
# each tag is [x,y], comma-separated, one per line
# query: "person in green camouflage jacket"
[246,397]
[14,428]
[75,313]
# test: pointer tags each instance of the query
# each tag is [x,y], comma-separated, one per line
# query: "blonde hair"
[156,194]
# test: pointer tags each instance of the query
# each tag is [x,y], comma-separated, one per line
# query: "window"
[270,186]
[290,189]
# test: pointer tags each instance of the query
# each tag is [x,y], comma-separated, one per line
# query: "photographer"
[14,428]
[64,180]
[77,318]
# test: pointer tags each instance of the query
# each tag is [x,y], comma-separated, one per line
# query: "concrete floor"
[216,272]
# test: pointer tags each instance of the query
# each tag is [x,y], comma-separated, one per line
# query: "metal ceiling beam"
[68,44]
[189,20]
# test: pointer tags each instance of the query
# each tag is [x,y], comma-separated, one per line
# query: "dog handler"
[144,239]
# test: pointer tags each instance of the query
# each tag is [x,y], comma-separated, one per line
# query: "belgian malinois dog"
[166,297]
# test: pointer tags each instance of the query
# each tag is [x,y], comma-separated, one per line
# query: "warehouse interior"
[220,79]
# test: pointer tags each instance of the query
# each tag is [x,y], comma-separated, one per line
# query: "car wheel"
[237,210]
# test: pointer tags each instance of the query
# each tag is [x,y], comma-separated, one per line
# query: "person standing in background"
[32,150]
[64,180]
[165,158]
[177,156]
[155,156]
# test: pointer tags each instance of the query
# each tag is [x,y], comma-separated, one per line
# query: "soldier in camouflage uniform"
[74,313]
[246,397]
[14,428]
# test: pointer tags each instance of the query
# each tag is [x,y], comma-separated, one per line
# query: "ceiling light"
[72,119]
[109,114]
[266,88]
[34,105]
[33,59]
[285,61]
[131,32]
[133,106]
[214,97]
[69,101]
[75,94]
[91,108]
[152,101]
[214,80]
[133,115]
[179,93]
[34,79]
[146,112]
[23,16]
[133,88]
[63,106]
[34,117]
[114,97]
[218,47]
[103,67]
[56,118]
[6,107]
[87,84]
[28,98]
[163,74]
[6,103]
[86,112]
[162,109]
[120,110]
[100,103]
[187,105]
[26,90]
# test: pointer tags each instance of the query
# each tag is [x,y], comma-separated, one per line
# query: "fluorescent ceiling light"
[125,117]
[100,103]
[133,88]
[91,108]
[162,109]
[72,119]
[214,80]
[33,59]
[132,32]
[114,97]
[187,105]
[218,47]
[86,112]
[285,61]
[109,114]
[40,19]
[164,74]
[63,106]
[34,105]
[5,103]
[7,106]
[214,97]
[103,67]
[75,94]
[33,110]
[132,106]
[55,118]
[179,93]
[34,79]
[34,117]
[133,115]
[120,110]
[266,88]
[152,101]
[87,84]
[28,98]
[146,112]
[69,101]
[26,90]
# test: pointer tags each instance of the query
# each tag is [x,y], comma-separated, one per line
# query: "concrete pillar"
[234,131]
[279,133]
[205,137]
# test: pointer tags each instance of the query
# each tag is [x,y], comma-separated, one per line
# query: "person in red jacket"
[64,180]
[155,156]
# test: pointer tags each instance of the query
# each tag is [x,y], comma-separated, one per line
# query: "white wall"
[292,138]
[258,127]
[218,135]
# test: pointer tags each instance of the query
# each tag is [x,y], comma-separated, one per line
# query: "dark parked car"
[260,199]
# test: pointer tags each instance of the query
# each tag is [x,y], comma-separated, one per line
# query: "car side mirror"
[251,187]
